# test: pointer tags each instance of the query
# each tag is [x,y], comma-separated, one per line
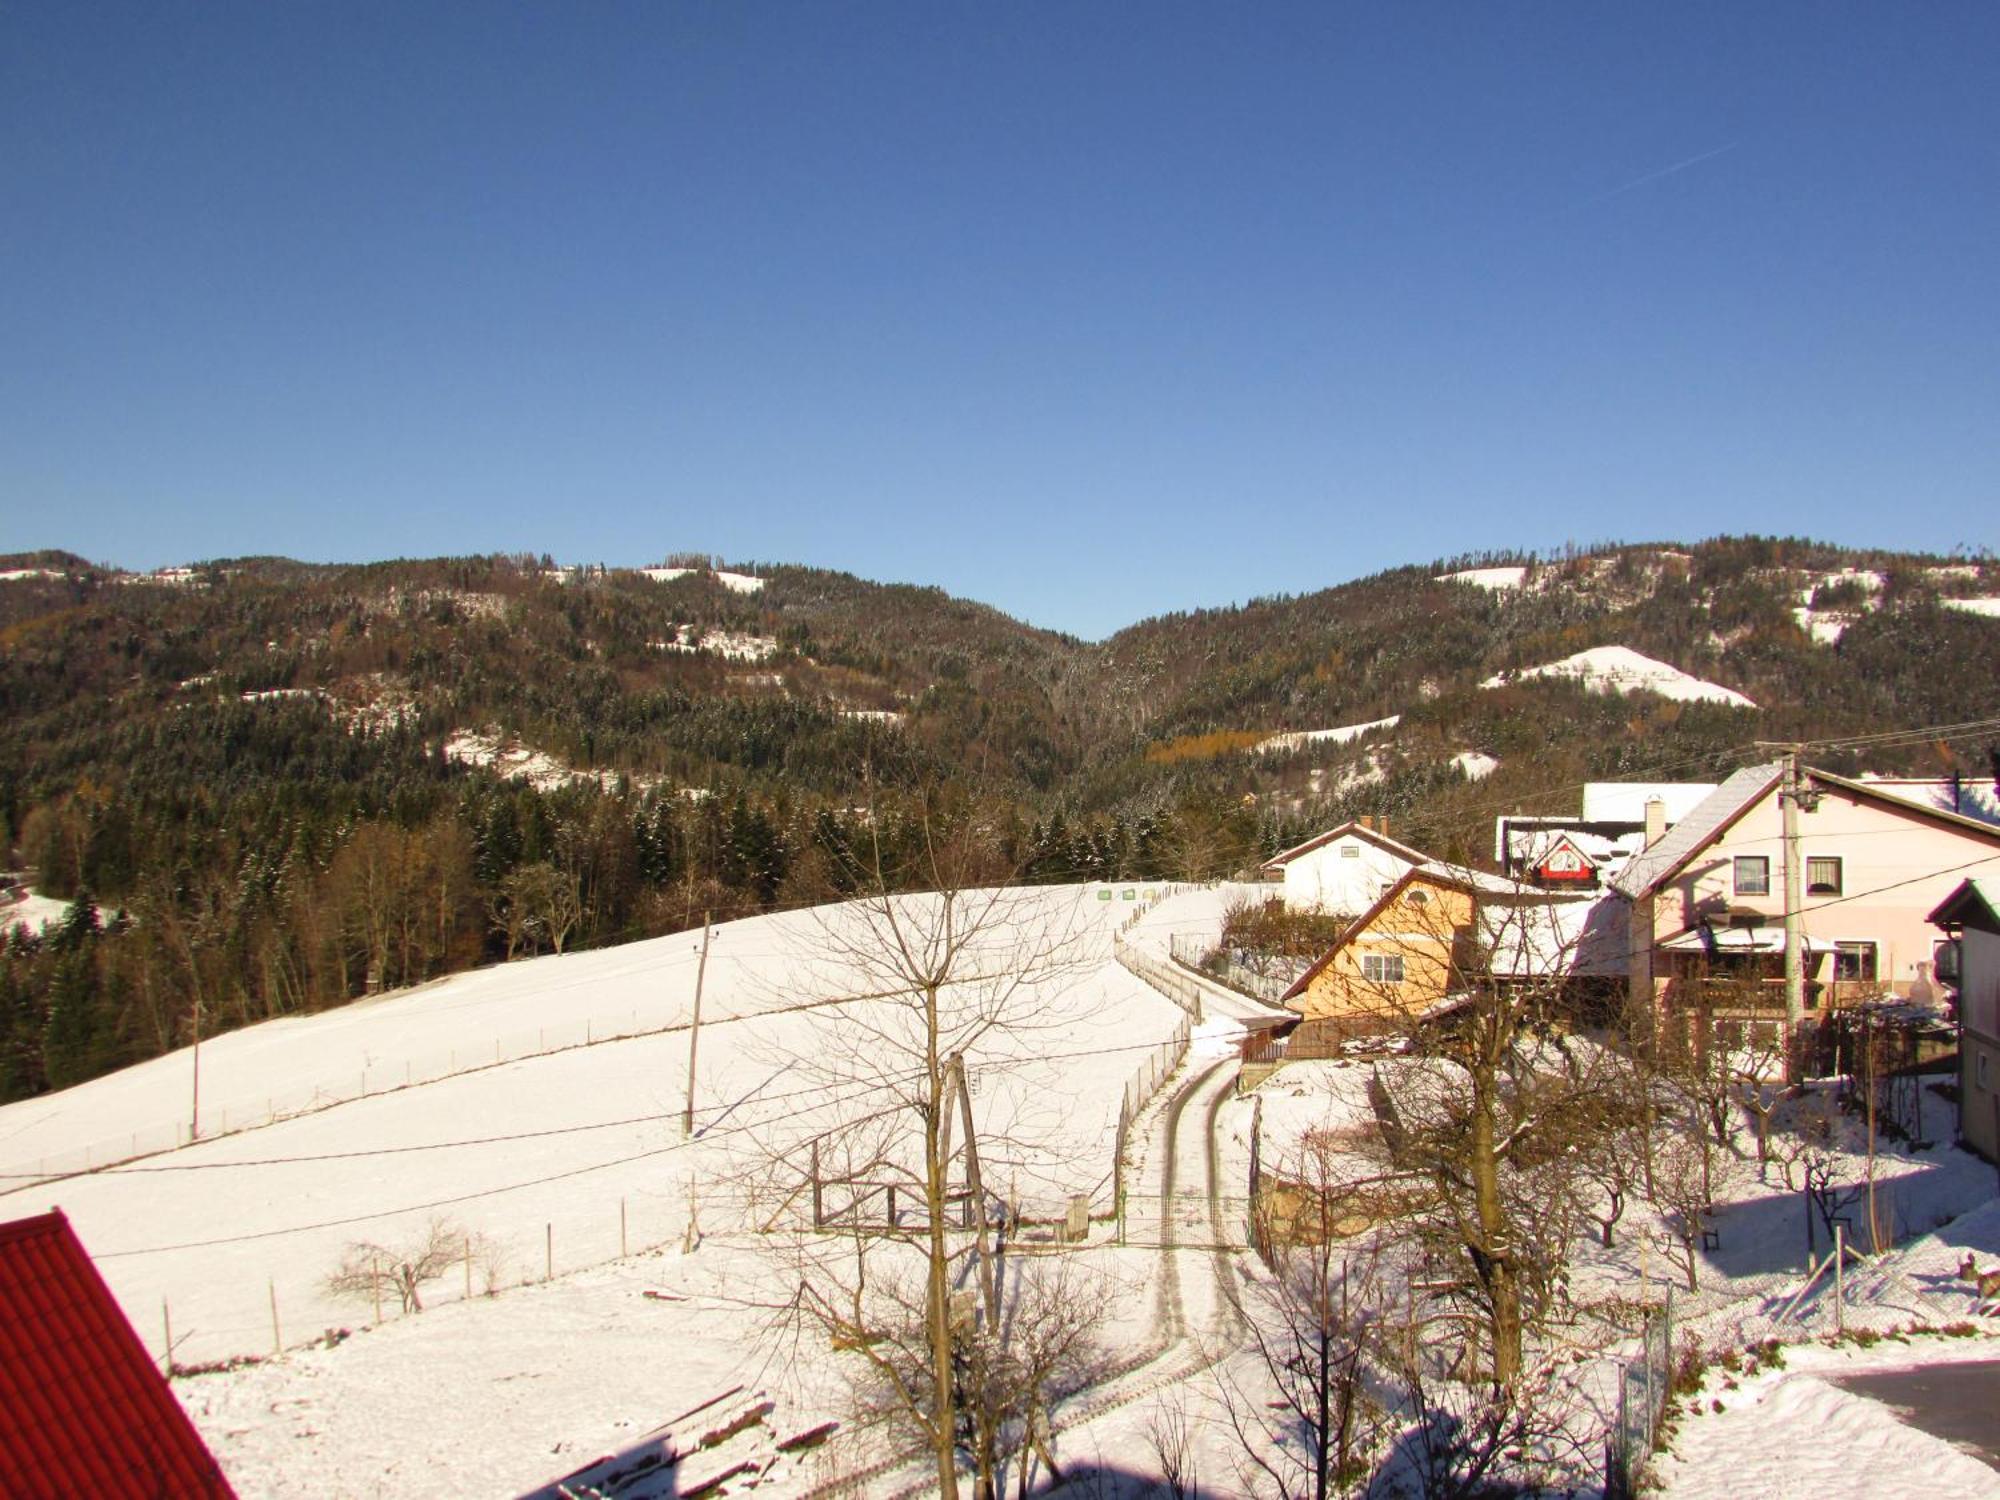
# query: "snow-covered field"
[1487,578]
[518,762]
[29,910]
[1608,669]
[736,583]
[1475,765]
[559,1159]
[567,1156]
[1299,739]
[734,645]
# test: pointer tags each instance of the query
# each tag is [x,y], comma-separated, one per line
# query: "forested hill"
[279,785]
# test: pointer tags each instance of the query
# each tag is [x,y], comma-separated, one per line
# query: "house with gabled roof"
[83,1409]
[1970,919]
[1705,901]
[1345,869]
[1559,851]
[1437,931]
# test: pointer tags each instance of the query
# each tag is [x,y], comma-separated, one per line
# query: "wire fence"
[229,1111]
[1189,1219]
[238,1111]
[1140,1090]
[1175,985]
[1643,1386]
[1225,968]
[247,1317]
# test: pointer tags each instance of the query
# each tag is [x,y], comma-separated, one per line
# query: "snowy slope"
[736,583]
[544,1155]
[1487,578]
[1299,739]
[1608,669]
[1794,1431]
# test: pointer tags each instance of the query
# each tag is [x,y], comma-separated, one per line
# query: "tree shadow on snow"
[1109,1482]
[1767,1235]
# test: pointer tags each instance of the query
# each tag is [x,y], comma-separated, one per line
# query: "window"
[1417,898]
[1382,968]
[1753,875]
[1945,956]
[1823,875]
[1350,851]
[1854,961]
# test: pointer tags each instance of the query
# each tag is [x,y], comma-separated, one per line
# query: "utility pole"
[1795,964]
[1793,794]
[978,1191]
[194,1112]
[694,1031]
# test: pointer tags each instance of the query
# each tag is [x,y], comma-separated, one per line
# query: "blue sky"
[1087,311]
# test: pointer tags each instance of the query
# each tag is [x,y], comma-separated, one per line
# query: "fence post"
[549,1263]
[1118,1168]
[468,1268]
[167,1319]
[277,1341]
[621,1228]
[1839,1267]
[375,1281]
[1646,1375]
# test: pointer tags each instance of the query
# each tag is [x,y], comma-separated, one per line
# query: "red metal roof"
[83,1408]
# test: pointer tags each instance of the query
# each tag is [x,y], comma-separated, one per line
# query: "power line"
[868,1086]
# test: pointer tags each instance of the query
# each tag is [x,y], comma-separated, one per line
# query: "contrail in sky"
[1679,166]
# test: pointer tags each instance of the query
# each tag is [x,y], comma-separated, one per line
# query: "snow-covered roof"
[1478,880]
[1625,801]
[1739,940]
[1543,938]
[1736,796]
[1529,931]
[1380,840]
[1968,797]
[1533,845]
[1976,900]
[1698,829]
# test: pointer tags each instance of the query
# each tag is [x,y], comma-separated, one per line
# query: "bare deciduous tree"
[956,1348]
[1490,1106]
[1314,1323]
[367,1270]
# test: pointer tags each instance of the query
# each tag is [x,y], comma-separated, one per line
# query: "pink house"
[1971,917]
[1706,899]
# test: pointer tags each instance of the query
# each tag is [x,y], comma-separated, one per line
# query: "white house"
[1346,869]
